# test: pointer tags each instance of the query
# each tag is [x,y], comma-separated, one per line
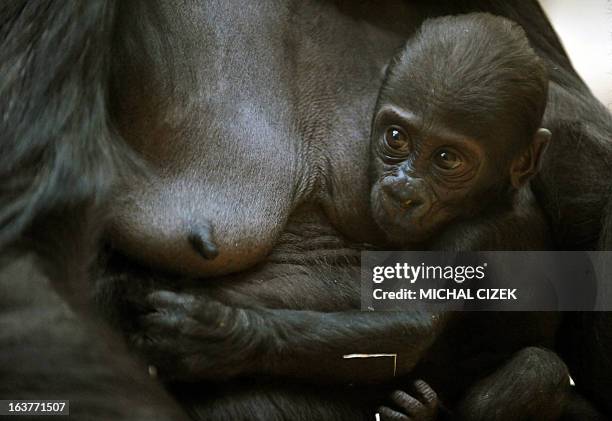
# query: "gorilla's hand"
[190,338]
[422,404]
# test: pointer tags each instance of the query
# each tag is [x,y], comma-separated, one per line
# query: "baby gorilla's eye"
[397,139]
[447,160]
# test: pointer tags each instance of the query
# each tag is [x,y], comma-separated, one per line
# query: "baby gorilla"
[455,139]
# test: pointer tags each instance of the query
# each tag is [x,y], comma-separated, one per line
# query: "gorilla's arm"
[191,337]
[51,352]
[58,159]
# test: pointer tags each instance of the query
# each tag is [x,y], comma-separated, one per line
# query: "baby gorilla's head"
[456,130]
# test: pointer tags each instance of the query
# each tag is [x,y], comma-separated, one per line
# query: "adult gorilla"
[253,120]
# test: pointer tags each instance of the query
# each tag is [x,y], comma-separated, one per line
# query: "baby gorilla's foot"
[201,238]
[422,406]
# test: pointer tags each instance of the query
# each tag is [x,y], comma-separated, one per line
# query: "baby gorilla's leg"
[532,385]
[422,405]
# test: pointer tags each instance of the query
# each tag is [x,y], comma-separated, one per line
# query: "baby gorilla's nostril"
[404,194]
[202,240]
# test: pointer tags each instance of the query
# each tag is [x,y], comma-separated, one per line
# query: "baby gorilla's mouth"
[401,218]
[404,220]
[409,211]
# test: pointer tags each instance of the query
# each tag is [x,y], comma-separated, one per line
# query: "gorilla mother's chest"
[244,111]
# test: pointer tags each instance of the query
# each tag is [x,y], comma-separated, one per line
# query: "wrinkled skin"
[254,119]
[258,116]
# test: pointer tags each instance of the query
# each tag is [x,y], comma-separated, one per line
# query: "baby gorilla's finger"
[212,313]
[388,414]
[170,300]
[160,323]
[426,394]
[411,405]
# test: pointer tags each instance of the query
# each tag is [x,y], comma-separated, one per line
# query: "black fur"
[60,156]
[59,160]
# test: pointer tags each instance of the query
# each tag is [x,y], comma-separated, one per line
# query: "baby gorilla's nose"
[403,192]
[202,240]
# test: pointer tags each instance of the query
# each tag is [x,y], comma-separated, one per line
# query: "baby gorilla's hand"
[423,406]
[191,338]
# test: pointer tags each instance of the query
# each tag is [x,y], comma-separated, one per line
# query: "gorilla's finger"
[161,323]
[171,300]
[411,405]
[426,394]
[388,414]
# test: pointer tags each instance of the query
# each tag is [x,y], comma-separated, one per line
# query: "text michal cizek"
[447,294]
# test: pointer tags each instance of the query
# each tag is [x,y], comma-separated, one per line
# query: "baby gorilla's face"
[426,175]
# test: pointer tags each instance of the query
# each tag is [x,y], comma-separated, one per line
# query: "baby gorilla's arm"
[192,338]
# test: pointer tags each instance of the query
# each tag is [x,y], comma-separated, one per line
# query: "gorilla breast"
[242,116]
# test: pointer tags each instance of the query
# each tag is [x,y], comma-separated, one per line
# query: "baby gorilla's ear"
[529,162]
